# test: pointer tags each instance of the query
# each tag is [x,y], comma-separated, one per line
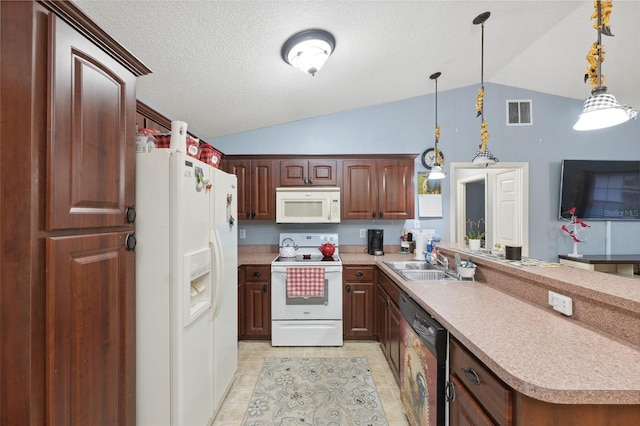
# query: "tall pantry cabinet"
[67,174]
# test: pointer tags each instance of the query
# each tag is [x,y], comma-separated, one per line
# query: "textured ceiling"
[217,65]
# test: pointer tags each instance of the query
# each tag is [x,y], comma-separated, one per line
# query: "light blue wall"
[408,127]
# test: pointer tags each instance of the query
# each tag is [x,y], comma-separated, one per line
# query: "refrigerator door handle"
[218,269]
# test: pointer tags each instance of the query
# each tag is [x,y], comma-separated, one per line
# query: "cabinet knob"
[373,214]
[450,392]
[257,273]
[248,215]
[380,214]
[131,214]
[304,179]
[348,289]
[310,181]
[359,274]
[131,242]
[471,375]
[265,288]
[253,214]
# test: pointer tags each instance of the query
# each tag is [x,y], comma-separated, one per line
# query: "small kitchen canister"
[513,252]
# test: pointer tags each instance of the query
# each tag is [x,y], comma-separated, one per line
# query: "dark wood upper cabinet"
[396,192]
[316,172]
[91,163]
[256,187]
[377,189]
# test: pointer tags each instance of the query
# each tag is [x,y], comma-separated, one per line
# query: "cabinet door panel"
[293,172]
[257,309]
[358,310]
[464,410]
[323,172]
[381,319]
[90,317]
[394,339]
[359,189]
[242,170]
[263,196]
[395,181]
[91,162]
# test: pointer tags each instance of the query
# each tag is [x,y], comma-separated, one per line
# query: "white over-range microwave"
[308,205]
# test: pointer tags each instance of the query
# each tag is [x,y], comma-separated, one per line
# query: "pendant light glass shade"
[600,110]
[483,157]
[436,171]
[308,50]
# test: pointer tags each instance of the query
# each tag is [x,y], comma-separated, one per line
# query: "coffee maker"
[375,241]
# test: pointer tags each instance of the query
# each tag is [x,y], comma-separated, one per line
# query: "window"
[519,113]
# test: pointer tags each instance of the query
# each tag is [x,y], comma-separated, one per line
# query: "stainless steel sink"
[410,265]
[419,271]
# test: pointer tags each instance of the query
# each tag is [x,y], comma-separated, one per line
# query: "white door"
[508,226]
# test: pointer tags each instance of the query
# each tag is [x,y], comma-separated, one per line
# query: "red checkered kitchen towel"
[305,282]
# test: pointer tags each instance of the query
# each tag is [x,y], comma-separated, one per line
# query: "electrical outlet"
[363,233]
[561,303]
[416,224]
[243,234]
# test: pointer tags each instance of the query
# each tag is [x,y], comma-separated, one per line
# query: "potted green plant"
[474,236]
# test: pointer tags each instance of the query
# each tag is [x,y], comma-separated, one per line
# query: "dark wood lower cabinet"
[464,410]
[529,411]
[389,322]
[358,314]
[254,317]
[90,321]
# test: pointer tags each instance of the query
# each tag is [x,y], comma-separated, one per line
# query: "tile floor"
[251,354]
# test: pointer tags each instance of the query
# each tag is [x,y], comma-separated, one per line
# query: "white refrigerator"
[186,288]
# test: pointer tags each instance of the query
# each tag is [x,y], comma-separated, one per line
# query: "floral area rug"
[315,391]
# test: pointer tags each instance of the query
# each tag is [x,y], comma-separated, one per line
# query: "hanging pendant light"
[483,157]
[436,170]
[600,110]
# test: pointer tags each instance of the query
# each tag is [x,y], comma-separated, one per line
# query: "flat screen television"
[600,189]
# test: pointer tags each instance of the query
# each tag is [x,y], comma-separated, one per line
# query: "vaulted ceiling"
[217,64]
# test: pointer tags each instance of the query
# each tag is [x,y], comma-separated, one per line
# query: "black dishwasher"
[423,351]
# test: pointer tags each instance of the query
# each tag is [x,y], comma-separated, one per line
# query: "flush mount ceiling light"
[436,170]
[308,50]
[483,157]
[600,110]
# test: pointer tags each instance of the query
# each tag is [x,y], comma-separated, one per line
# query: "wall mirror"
[500,193]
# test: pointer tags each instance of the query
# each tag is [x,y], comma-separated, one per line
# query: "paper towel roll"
[178,136]
[421,244]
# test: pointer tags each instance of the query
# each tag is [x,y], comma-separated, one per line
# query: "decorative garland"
[484,135]
[596,53]
[439,158]
[480,101]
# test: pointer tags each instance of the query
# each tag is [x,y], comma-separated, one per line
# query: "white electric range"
[307,320]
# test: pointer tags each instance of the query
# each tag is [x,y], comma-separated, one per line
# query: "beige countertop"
[533,349]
